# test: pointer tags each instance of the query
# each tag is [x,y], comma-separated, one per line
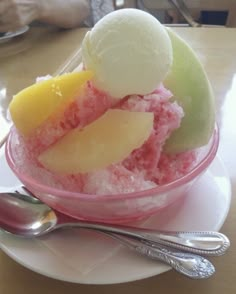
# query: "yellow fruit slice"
[33,105]
[109,139]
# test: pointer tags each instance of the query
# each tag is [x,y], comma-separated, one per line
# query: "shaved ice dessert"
[139,168]
[133,119]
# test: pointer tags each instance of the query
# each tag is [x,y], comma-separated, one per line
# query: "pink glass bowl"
[120,207]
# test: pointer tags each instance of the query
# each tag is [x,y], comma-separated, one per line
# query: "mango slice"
[188,82]
[33,105]
[109,139]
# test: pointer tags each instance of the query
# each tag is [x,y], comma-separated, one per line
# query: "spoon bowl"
[25,216]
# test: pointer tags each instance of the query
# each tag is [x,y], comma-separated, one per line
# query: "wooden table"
[42,51]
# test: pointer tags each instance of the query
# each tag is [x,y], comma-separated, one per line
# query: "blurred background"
[187,12]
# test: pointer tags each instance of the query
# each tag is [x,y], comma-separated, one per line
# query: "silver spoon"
[26,216]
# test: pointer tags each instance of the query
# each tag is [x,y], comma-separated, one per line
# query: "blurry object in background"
[119,4]
[65,14]
[184,12]
[100,8]
[4,37]
[214,17]
[167,11]
[209,12]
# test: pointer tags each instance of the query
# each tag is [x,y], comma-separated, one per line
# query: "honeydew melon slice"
[107,140]
[188,82]
[33,105]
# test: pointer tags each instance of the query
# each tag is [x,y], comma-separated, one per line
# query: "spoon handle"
[202,242]
[199,242]
[188,264]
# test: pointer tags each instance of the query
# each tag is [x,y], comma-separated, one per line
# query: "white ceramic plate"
[81,256]
[10,35]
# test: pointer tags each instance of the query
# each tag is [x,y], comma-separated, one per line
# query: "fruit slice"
[109,139]
[33,105]
[189,83]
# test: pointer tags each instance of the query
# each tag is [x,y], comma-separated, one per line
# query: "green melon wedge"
[190,86]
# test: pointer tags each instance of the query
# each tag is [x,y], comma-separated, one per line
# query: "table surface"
[42,51]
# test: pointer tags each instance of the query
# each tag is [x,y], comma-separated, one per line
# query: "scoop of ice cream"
[129,51]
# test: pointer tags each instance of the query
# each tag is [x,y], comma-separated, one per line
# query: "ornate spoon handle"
[188,264]
[203,242]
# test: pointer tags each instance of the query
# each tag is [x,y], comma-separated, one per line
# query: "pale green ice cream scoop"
[129,51]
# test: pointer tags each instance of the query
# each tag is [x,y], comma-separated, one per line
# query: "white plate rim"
[12,34]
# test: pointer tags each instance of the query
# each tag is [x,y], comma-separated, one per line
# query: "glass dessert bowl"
[114,208]
[119,139]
